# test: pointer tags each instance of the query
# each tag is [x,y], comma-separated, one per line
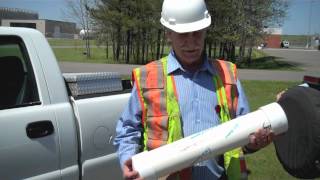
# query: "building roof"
[277,31]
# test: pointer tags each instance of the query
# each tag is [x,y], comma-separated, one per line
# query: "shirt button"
[198,120]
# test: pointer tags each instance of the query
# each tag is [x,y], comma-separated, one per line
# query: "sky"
[303,15]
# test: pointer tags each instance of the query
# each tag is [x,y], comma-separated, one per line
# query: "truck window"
[18,86]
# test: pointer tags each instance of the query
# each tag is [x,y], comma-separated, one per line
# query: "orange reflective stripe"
[137,81]
[155,97]
[228,70]
[227,80]
[157,132]
[152,94]
[226,76]
[229,77]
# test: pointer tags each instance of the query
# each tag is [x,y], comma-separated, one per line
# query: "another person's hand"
[129,173]
[280,94]
[260,139]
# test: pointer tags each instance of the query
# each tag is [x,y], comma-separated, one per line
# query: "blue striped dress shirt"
[197,101]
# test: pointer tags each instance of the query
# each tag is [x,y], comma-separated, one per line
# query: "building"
[15,13]
[14,17]
[273,37]
[50,28]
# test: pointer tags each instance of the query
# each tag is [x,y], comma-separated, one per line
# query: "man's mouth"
[190,50]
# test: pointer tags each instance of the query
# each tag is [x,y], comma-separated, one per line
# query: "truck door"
[29,139]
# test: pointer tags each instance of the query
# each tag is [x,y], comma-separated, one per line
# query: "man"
[182,94]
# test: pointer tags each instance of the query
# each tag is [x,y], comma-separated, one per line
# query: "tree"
[79,11]
[241,22]
[133,27]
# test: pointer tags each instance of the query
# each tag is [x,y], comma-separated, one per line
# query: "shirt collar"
[174,65]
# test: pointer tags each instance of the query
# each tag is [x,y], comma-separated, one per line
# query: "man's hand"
[128,172]
[260,139]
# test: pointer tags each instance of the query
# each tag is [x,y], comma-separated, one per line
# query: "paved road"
[308,60]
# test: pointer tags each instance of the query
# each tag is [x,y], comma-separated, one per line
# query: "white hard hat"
[185,15]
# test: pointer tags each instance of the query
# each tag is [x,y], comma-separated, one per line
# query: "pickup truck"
[55,126]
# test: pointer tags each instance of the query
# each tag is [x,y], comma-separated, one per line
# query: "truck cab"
[46,132]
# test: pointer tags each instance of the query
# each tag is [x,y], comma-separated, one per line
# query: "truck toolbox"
[92,83]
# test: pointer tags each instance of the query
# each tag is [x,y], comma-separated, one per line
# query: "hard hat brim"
[187,27]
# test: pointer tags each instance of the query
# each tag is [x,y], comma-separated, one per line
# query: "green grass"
[263,92]
[69,42]
[264,164]
[98,55]
[77,55]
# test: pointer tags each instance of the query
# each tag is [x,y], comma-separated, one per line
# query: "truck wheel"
[298,150]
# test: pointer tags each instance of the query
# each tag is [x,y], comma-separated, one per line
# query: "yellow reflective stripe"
[173,112]
[234,153]
[232,157]
[137,76]
[216,84]
[174,124]
[222,99]
[232,163]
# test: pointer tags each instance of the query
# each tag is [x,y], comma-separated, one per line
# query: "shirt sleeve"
[129,129]
[243,105]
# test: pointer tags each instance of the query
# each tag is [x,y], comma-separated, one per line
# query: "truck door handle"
[39,129]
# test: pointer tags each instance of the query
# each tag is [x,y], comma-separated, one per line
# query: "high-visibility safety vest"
[161,115]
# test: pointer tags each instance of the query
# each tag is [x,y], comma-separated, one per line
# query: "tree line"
[133,30]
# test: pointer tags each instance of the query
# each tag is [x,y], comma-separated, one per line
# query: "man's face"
[188,47]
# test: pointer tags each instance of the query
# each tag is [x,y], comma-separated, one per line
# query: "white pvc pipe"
[209,143]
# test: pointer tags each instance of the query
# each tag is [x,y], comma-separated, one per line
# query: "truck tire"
[298,150]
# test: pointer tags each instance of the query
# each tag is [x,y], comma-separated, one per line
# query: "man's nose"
[191,36]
